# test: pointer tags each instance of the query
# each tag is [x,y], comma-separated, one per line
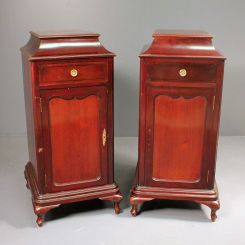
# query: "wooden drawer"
[178,71]
[72,72]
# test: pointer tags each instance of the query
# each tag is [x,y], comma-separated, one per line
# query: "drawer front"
[181,72]
[53,73]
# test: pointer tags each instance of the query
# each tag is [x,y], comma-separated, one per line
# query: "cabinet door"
[178,129]
[74,130]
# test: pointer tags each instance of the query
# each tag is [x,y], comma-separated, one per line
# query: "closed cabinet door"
[74,126]
[179,124]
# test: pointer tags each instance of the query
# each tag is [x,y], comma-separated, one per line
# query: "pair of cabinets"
[68,81]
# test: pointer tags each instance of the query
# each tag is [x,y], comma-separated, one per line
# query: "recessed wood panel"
[75,139]
[179,125]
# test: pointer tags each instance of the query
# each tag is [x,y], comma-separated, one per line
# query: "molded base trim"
[42,203]
[140,194]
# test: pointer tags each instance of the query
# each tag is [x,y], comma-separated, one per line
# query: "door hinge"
[40,104]
[104,137]
[207,176]
[45,179]
[213,102]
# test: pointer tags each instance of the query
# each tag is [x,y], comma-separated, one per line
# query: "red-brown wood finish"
[75,139]
[68,85]
[171,137]
[181,76]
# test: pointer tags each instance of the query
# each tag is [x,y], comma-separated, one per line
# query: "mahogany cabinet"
[180,97]
[68,85]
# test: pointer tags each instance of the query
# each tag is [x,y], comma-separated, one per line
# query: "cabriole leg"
[117,208]
[40,220]
[135,200]
[214,206]
[134,210]
[41,211]
[116,198]
[213,214]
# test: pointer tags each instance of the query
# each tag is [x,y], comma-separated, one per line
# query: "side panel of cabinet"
[74,127]
[178,127]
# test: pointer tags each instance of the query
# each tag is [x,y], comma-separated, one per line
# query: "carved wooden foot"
[40,220]
[41,211]
[214,206]
[213,214]
[134,210]
[116,198]
[117,208]
[27,184]
[135,200]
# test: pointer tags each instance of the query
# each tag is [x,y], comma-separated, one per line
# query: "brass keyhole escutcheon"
[182,72]
[104,137]
[74,72]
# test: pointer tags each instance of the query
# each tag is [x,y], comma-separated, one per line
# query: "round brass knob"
[182,72]
[40,149]
[73,72]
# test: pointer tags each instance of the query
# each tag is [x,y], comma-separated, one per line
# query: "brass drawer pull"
[182,72]
[74,72]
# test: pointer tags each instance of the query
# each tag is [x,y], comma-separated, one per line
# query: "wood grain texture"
[71,125]
[179,126]
[54,45]
[60,72]
[66,116]
[179,97]
[179,119]
[196,72]
[141,194]
[182,43]
[75,140]
[42,203]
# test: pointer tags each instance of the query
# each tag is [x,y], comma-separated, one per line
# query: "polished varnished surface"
[63,34]
[195,72]
[180,96]
[53,45]
[68,81]
[179,43]
[61,72]
[179,126]
[75,140]
[171,108]
[181,33]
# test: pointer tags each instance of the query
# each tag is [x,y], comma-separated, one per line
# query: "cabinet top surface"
[181,44]
[63,34]
[48,45]
[181,33]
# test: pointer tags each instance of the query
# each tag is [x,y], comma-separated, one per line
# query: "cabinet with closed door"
[68,81]
[180,96]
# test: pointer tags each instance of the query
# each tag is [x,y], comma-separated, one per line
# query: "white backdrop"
[125,26]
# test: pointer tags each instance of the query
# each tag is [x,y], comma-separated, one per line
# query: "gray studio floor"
[94,222]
